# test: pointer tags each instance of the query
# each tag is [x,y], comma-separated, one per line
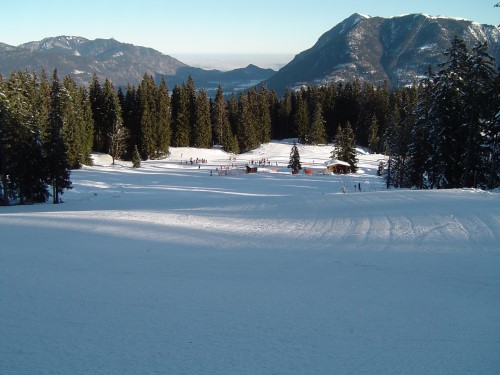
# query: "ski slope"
[168,269]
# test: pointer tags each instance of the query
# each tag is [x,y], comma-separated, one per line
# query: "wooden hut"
[337,166]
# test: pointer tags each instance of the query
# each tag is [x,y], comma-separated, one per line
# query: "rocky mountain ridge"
[375,49]
[122,63]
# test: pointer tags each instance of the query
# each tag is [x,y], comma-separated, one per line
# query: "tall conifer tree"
[55,150]
[202,136]
[317,133]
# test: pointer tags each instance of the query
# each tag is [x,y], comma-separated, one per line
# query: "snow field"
[166,269]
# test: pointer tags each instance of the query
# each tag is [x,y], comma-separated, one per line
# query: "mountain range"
[374,49]
[122,63]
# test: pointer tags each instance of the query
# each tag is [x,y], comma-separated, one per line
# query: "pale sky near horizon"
[216,26]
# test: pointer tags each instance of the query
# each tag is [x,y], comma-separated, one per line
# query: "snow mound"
[101,160]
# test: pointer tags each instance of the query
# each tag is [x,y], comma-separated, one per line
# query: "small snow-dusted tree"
[295,158]
[136,158]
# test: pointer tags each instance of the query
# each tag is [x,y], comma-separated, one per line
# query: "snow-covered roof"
[336,162]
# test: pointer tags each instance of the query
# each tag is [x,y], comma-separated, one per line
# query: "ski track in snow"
[167,269]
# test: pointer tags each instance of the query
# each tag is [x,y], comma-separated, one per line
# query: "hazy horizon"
[230,61]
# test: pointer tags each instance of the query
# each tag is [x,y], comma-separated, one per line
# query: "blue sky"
[215,26]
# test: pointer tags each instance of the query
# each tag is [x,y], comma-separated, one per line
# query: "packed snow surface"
[180,268]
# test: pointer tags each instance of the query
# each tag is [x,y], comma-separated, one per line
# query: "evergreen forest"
[443,132]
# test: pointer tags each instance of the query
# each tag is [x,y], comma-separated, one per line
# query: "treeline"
[442,132]
[449,135]
[45,129]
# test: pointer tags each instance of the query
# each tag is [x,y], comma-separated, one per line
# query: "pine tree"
[330,96]
[285,122]
[246,134]
[264,116]
[87,130]
[190,92]
[345,146]
[97,105]
[118,137]
[447,116]
[301,118]
[40,97]
[317,133]
[132,119]
[55,150]
[4,126]
[481,105]
[392,148]
[78,124]
[147,97]
[136,158]
[22,142]
[373,138]
[492,143]
[294,162]
[220,117]
[180,117]
[420,148]
[350,148]
[202,136]
[163,131]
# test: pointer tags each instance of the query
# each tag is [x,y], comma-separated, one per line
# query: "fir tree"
[4,125]
[492,143]
[78,124]
[180,117]
[448,115]
[97,105]
[246,134]
[220,118]
[87,127]
[481,106]
[373,138]
[55,150]
[23,142]
[146,97]
[163,131]
[190,92]
[420,145]
[301,119]
[136,158]
[317,134]
[294,162]
[112,113]
[131,118]
[345,146]
[118,137]
[285,122]
[264,116]
[202,136]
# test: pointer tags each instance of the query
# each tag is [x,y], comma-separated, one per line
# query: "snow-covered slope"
[169,269]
